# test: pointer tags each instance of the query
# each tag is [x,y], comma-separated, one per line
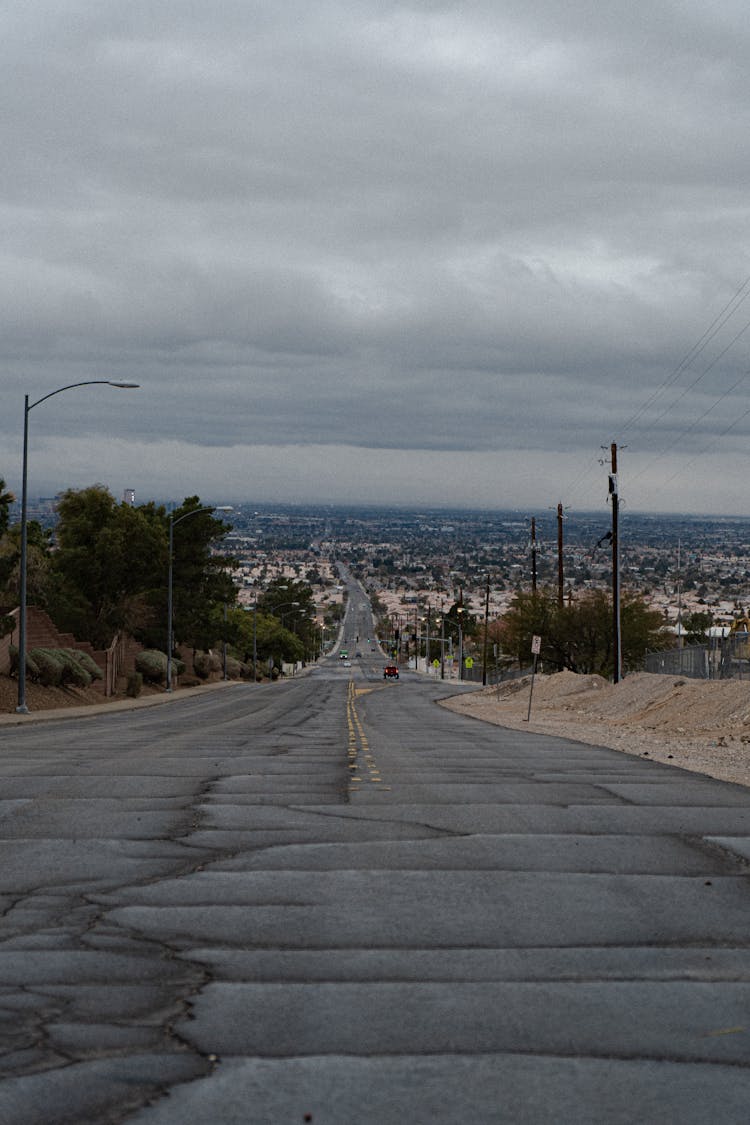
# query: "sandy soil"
[700,725]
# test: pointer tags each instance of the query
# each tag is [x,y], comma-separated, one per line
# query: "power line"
[693,424]
[724,315]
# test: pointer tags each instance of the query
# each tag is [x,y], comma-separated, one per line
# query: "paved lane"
[331,900]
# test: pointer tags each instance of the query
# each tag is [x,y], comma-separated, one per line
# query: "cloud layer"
[422,231]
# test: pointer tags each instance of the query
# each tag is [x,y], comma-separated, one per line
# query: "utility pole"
[560,575]
[679,595]
[533,555]
[616,639]
[486,630]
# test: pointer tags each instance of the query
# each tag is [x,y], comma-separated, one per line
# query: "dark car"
[390,672]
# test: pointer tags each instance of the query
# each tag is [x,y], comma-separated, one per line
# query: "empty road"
[331,900]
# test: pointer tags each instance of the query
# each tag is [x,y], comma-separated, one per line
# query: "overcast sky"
[362,250]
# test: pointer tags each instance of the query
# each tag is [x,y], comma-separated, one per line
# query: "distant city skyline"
[379,251]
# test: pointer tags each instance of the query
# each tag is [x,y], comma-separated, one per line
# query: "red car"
[390,672]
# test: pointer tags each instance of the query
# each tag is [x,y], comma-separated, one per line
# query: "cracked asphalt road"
[332,901]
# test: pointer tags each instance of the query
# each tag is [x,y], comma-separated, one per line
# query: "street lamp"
[459,611]
[276,609]
[22,709]
[172,522]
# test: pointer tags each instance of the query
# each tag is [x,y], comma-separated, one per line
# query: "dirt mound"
[702,725]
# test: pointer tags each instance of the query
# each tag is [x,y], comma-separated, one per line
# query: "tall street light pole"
[255,639]
[22,709]
[172,522]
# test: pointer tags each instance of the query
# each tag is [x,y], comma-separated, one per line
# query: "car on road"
[347,664]
[390,672]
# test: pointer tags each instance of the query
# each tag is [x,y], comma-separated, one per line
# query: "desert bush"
[86,661]
[134,685]
[32,669]
[71,672]
[152,665]
[190,681]
[234,668]
[50,668]
[205,663]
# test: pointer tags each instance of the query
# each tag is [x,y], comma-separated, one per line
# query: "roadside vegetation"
[103,571]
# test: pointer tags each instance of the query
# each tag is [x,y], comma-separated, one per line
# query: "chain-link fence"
[722,658]
[734,662]
[692,661]
[495,674]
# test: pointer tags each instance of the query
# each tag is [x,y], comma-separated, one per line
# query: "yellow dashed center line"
[361,761]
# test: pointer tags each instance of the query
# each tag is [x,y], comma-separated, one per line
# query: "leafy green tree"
[527,616]
[201,582]
[580,636]
[6,499]
[110,560]
[695,626]
[272,640]
[292,601]
[459,613]
[38,551]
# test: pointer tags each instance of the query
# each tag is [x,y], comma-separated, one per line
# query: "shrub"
[205,663]
[86,661]
[50,669]
[235,669]
[32,669]
[152,664]
[71,672]
[134,685]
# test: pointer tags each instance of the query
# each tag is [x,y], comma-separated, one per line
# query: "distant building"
[129,497]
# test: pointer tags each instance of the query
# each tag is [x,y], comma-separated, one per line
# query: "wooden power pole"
[560,574]
[486,630]
[533,555]
[616,639]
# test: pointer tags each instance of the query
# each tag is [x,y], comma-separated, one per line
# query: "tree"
[272,640]
[38,552]
[201,582]
[580,636]
[6,499]
[695,626]
[110,561]
[527,616]
[289,600]
[458,613]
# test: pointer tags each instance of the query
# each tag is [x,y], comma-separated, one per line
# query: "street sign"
[469,662]
[536,645]
[436,663]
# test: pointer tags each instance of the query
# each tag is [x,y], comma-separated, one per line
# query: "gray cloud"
[410,228]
